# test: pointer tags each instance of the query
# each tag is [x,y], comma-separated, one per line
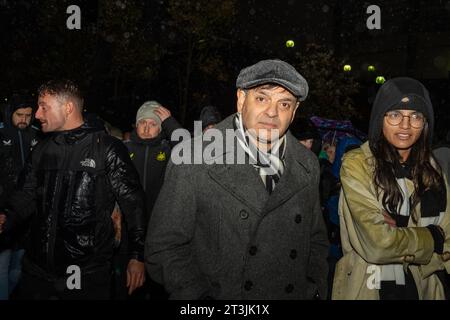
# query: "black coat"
[15,147]
[69,187]
[150,157]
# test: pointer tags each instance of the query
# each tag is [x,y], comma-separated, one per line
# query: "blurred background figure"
[331,213]
[442,153]
[149,147]
[306,134]
[17,139]
[209,116]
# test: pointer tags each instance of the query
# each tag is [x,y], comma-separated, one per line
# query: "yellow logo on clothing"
[161,156]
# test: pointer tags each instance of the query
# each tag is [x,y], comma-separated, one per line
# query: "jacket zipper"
[145,168]
[21,148]
[54,213]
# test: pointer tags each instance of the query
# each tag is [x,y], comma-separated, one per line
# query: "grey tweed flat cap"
[273,71]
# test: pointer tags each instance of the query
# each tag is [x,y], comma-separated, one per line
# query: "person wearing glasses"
[394,206]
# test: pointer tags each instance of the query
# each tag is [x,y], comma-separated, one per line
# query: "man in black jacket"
[149,148]
[17,138]
[68,188]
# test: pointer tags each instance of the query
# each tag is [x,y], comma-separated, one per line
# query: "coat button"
[243,214]
[298,218]
[289,288]
[409,258]
[248,285]
[293,254]
[253,250]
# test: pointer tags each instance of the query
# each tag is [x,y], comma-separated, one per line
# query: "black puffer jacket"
[69,187]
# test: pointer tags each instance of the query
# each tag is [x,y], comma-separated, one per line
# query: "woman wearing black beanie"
[395,207]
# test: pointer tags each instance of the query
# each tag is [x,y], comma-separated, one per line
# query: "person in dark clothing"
[306,134]
[248,229]
[17,139]
[209,116]
[68,190]
[442,154]
[149,149]
[327,178]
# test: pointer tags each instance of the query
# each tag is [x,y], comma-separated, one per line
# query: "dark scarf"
[433,201]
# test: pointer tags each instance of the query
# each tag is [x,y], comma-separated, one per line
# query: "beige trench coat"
[367,241]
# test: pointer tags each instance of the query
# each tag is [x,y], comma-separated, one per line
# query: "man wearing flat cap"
[252,230]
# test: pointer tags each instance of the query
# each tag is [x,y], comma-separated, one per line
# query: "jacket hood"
[399,93]
[17,102]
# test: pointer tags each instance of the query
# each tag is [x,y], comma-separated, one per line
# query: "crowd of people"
[300,218]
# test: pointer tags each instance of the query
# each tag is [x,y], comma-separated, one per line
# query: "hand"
[2,221]
[135,275]
[117,223]
[389,220]
[162,113]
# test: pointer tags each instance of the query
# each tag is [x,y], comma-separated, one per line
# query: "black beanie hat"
[210,115]
[400,94]
[303,130]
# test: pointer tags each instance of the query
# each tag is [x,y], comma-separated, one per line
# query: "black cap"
[273,71]
[400,94]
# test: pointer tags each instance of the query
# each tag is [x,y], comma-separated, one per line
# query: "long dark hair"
[425,175]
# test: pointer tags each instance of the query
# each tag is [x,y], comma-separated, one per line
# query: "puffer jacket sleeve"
[373,239]
[128,192]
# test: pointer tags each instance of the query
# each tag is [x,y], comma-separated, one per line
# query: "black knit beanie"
[400,94]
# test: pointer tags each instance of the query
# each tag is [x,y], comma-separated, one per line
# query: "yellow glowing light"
[380,80]
[290,43]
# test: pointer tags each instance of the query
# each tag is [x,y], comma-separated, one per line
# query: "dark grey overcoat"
[215,231]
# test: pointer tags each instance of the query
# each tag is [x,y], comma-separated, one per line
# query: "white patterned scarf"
[270,164]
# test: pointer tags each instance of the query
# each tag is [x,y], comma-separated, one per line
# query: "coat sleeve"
[373,239]
[168,127]
[168,253]
[318,265]
[128,192]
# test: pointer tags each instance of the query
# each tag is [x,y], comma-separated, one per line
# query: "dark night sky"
[414,40]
